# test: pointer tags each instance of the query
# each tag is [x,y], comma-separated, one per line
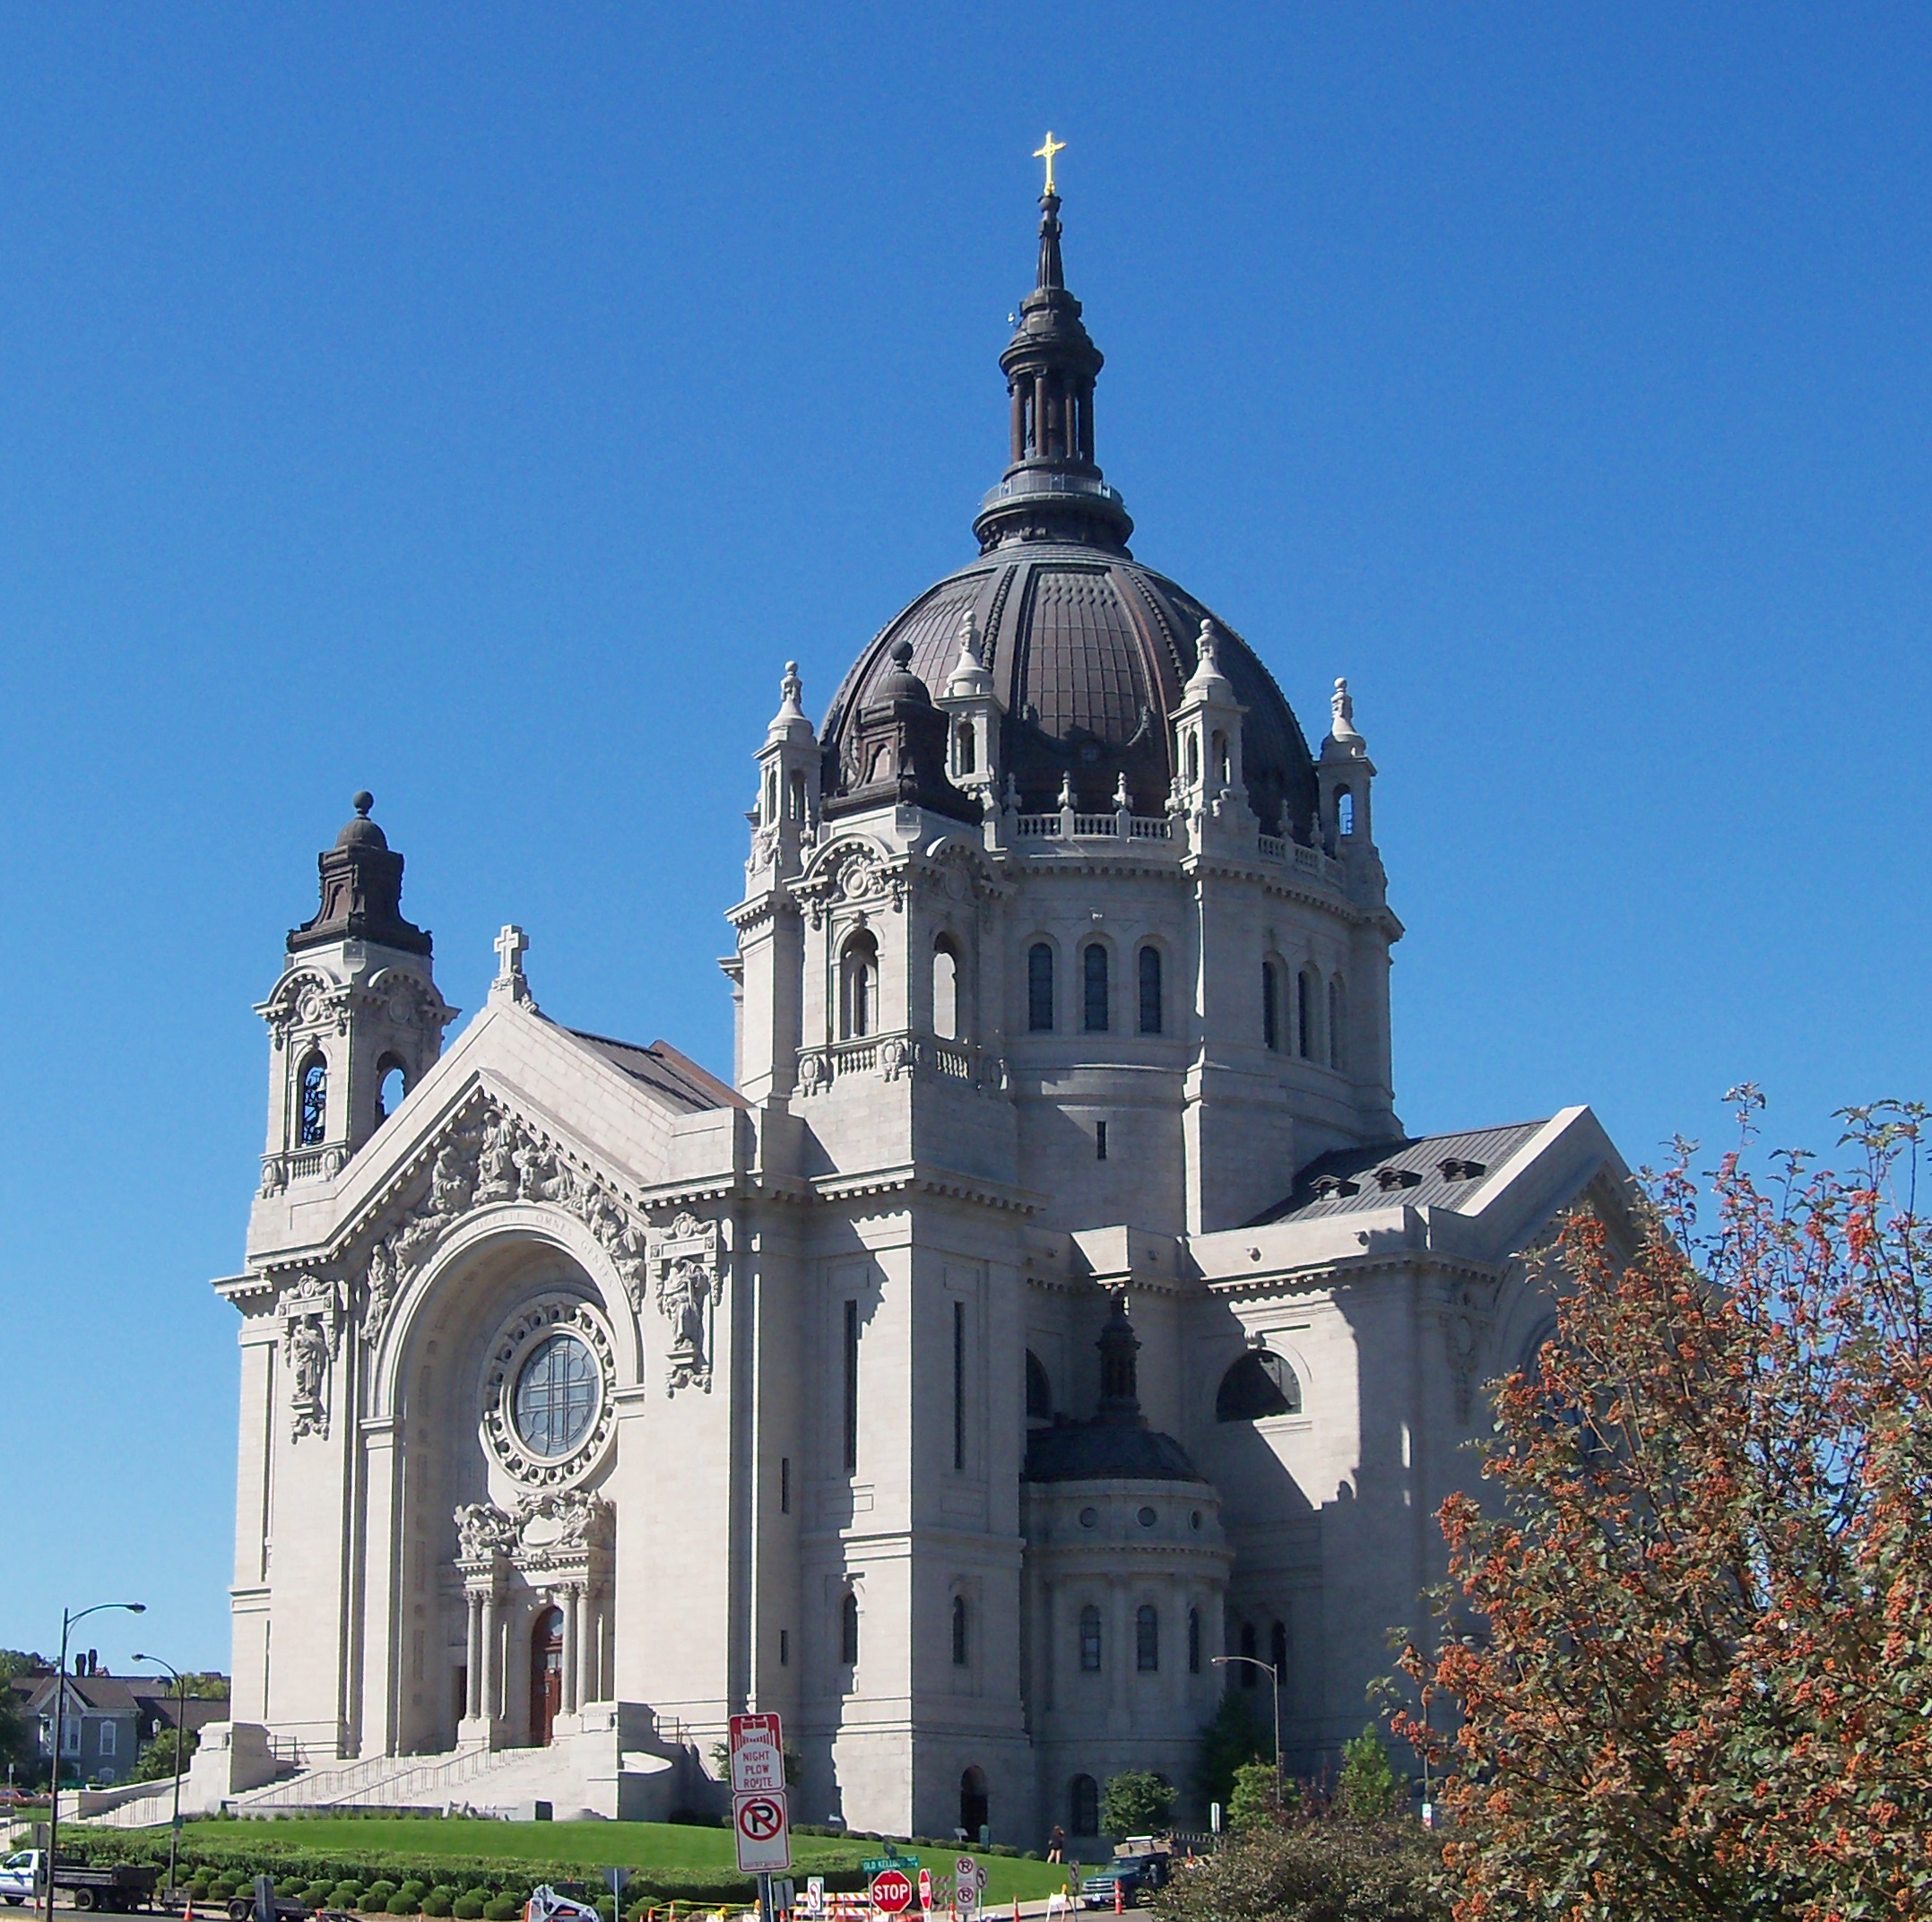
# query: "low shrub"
[221,1888]
[197,1887]
[346,1894]
[468,1906]
[437,1902]
[376,1897]
[502,1909]
[316,1895]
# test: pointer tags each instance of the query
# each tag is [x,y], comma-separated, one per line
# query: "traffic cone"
[1120,1897]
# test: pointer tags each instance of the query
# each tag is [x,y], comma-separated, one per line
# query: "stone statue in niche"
[685,1257]
[311,1313]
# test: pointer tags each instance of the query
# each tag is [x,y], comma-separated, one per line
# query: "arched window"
[1304,1015]
[771,795]
[1247,1649]
[1090,1640]
[959,1631]
[1094,981]
[1270,1006]
[796,794]
[1220,760]
[1344,811]
[1277,1649]
[1151,991]
[1039,1390]
[965,749]
[1257,1385]
[1193,760]
[392,1083]
[313,1120]
[945,990]
[858,988]
[1337,1027]
[848,1629]
[1193,1641]
[1147,1639]
[1040,987]
[975,1809]
[1083,1805]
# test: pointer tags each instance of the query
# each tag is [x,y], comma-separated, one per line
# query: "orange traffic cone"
[1120,1897]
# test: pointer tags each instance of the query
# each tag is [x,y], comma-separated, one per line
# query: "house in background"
[107,1720]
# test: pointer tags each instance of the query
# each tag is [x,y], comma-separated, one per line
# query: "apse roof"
[1430,1171]
[1106,1450]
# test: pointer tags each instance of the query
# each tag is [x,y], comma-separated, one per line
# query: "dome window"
[1345,811]
[848,1629]
[946,989]
[960,1649]
[1258,1385]
[1094,981]
[1090,1640]
[965,749]
[1150,991]
[1336,1025]
[1040,987]
[312,1116]
[1270,1007]
[1304,1015]
[1193,1641]
[1039,1390]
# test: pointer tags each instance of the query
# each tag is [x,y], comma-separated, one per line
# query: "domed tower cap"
[902,684]
[361,891]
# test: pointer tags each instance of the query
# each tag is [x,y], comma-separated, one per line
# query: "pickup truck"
[122,1888]
[1136,1870]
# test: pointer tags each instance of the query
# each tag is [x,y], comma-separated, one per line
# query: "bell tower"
[356,1019]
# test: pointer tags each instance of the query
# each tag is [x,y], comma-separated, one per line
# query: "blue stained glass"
[555,1395]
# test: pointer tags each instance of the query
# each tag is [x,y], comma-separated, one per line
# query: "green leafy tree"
[1254,1796]
[1314,1868]
[156,1761]
[1367,1789]
[1235,1736]
[1687,1656]
[1136,1802]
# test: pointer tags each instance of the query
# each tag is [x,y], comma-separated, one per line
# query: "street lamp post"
[1274,1677]
[181,1730]
[60,1723]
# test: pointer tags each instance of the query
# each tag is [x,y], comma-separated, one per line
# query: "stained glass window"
[555,1395]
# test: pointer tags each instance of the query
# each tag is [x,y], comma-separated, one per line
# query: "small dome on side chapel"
[1087,649]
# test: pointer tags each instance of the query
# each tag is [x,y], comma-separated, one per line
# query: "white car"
[17,1878]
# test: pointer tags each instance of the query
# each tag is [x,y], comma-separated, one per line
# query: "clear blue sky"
[480,405]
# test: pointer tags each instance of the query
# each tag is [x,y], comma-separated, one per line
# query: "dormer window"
[1387,1179]
[1332,1188]
[1453,1168]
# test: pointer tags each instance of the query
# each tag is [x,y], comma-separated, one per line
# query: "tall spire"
[1053,489]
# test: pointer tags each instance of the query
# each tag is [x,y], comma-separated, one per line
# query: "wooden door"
[546,1675]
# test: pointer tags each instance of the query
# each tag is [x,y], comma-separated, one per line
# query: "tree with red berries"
[1683,1664]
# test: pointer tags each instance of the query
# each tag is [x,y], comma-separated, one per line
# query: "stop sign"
[891,1892]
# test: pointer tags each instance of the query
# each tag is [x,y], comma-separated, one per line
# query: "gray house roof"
[1432,1171]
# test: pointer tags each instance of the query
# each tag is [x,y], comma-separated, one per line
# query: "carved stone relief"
[547,1531]
[684,1261]
[311,1311]
[494,1156]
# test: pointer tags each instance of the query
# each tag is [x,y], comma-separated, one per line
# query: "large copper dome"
[1089,649]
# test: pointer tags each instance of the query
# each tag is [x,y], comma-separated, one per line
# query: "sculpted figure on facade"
[311,1338]
[685,1258]
[559,1524]
[483,1531]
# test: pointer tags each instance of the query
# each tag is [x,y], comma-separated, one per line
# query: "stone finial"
[1123,800]
[790,722]
[1064,799]
[1208,682]
[1341,704]
[969,675]
[512,984]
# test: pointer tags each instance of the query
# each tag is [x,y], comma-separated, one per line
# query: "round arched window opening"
[1088,1517]
[556,1398]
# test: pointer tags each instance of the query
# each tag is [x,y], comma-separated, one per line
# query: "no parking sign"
[763,1829]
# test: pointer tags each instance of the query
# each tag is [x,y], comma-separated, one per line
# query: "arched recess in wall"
[858,987]
[1083,1805]
[1151,999]
[1257,1385]
[1040,987]
[1338,1022]
[391,1084]
[1039,1390]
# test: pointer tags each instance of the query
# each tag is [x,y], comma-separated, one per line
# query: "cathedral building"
[1048,1328]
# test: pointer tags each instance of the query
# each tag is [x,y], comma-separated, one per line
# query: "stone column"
[473,1678]
[573,1598]
[492,1701]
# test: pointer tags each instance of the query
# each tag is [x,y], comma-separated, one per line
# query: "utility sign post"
[758,1755]
[968,1878]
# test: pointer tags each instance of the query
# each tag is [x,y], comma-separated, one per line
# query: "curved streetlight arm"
[1273,1675]
[181,1730]
[60,1718]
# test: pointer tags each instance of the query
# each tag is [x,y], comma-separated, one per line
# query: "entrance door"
[546,1675]
[973,1812]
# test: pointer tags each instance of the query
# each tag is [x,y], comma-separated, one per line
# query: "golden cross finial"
[1047,152]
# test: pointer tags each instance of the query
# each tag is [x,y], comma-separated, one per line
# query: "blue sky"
[480,405]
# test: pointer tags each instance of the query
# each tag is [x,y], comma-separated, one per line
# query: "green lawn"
[598,1845]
